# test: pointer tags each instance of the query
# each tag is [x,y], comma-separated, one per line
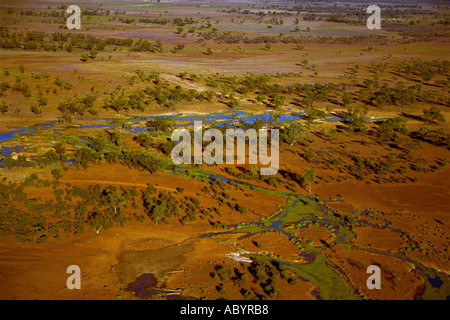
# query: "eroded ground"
[88,179]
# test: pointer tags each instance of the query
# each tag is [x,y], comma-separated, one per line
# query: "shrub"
[36,109]
[434,114]
[3,108]
[57,174]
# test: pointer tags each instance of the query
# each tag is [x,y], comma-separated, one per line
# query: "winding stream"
[221,118]
[299,211]
[331,280]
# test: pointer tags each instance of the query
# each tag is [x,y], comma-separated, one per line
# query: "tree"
[42,101]
[309,99]
[294,133]
[112,198]
[313,114]
[356,115]
[254,170]
[179,30]
[97,220]
[164,124]
[93,54]
[57,174]
[433,114]
[59,149]
[273,119]
[346,99]
[116,138]
[177,48]
[3,108]
[404,95]
[69,48]
[426,72]
[35,109]
[97,143]
[309,177]
[278,101]
[234,102]
[260,98]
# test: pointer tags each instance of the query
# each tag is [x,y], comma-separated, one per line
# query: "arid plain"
[87,177]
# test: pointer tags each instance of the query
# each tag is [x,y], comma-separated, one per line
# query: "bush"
[57,174]
[164,124]
[3,108]
[36,109]
[434,114]
[294,133]
[241,209]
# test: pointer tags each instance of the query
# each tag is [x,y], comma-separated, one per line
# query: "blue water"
[7,151]
[435,281]
[6,136]
[221,119]
[225,118]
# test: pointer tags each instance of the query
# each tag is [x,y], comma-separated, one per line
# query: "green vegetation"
[375,115]
[70,211]
[262,274]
